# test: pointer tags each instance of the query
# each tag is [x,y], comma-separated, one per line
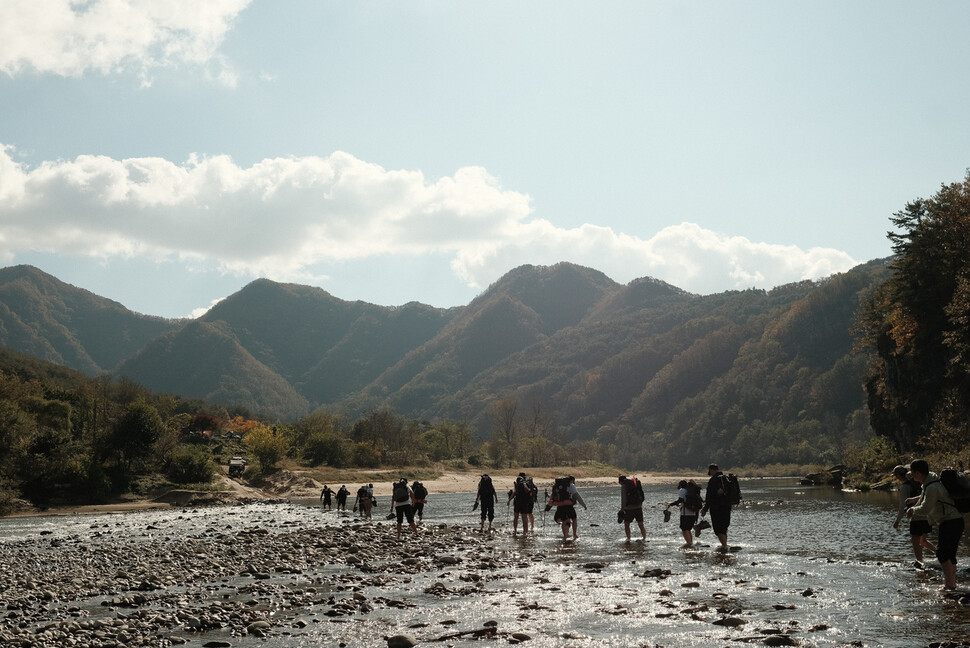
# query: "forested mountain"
[664,377]
[49,319]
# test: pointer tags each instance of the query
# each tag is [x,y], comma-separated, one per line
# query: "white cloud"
[69,38]
[281,218]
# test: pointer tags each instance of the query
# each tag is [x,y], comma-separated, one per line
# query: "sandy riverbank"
[290,486]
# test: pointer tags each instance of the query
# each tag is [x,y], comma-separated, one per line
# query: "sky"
[165,153]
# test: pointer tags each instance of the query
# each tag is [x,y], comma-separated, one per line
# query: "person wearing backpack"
[717,500]
[363,502]
[534,497]
[631,505]
[521,498]
[919,526]
[401,499]
[690,502]
[564,497]
[488,498]
[940,510]
[342,494]
[420,499]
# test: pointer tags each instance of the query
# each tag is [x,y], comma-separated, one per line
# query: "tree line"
[68,439]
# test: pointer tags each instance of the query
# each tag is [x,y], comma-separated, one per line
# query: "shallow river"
[821,566]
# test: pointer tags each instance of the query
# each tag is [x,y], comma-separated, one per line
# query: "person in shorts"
[688,511]
[919,526]
[631,505]
[941,511]
[522,504]
[402,498]
[566,512]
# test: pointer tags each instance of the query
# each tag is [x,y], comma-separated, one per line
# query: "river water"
[823,567]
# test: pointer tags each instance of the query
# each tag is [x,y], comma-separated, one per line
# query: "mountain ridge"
[600,359]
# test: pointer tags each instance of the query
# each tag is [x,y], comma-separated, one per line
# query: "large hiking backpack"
[957,485]
[730,489]
[362,493]
[485,488]
[634,492]
[533,489]
[400,492]
[420,492]
[560,492]
[915,488]
[693,501]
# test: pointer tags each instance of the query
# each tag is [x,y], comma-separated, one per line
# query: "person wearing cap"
[716,501]
[941,511]
[919,526]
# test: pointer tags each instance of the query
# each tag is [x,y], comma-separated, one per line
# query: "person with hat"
[717,502]
[919,526]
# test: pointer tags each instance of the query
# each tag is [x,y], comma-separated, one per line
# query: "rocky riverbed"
[281,574]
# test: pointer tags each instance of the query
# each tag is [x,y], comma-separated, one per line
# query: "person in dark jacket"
[716,501]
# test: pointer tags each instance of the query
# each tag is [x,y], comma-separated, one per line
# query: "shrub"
[190,465]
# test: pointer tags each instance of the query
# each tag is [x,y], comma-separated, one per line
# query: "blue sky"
[165,154]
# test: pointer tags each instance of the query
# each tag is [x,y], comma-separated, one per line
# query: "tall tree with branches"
[918,324]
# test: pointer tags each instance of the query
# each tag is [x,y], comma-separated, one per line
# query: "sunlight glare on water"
[821,564]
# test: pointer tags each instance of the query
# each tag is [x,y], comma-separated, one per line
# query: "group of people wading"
[408,500]
[721,495]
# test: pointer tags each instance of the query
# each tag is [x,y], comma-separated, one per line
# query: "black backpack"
[560,491]
[485,488]
[420,492]
[730,489]
[533,490]
[957,485]
[400,492]
[693,501]
[634,492]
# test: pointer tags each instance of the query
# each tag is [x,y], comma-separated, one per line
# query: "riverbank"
[287,485]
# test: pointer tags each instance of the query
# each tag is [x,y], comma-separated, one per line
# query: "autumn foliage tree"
[918,324]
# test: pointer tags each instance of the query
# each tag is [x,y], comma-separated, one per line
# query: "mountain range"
[635,365]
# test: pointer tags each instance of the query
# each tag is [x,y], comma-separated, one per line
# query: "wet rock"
[780,640]
[519,637]
[730,622]
[259,628]
[401,641]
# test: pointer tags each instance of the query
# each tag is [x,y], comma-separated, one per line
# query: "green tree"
[269,446]
[135,432]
